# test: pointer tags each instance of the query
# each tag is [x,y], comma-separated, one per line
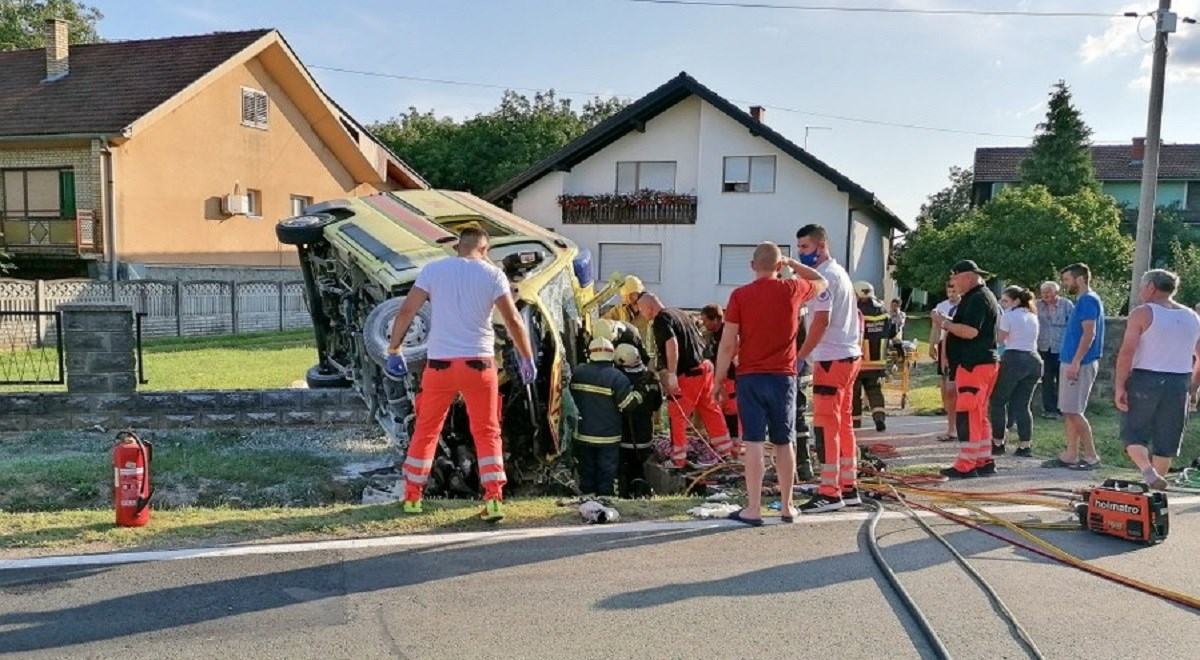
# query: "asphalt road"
[803,590]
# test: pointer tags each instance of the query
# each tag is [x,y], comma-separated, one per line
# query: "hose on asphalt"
[1015,626]
[914,610]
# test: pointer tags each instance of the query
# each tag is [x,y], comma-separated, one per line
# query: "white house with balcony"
[679,187]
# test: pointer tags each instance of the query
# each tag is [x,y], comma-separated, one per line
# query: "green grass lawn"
[245,361]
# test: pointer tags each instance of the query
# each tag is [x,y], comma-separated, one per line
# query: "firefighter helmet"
[626,355]
[630,286]
[864,289]
[600,350]
[606,329]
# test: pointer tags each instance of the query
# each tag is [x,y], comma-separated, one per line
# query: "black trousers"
[598,468]
[868,381]
[803,451]
[1049,381]
[637,434]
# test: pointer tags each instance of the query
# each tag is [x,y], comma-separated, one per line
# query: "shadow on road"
[163,609]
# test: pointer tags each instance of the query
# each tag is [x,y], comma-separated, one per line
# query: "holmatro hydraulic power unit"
[1125,509]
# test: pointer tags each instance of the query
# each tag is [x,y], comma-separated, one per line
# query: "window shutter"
[735,264]
[66,193]
[642,260]
[762,174]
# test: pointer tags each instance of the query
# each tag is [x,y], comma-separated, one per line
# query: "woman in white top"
[1020,369]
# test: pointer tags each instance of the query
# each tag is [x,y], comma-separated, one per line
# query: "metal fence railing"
[31,348]
[174,308]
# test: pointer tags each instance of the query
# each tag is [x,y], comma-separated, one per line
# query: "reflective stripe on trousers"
[439,388]
[974,385]
[833,388]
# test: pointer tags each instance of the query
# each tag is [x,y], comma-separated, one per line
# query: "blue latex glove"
[396,367]
[528,371]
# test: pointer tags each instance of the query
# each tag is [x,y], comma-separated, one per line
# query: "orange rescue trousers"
[833,390]
[441,381]
[974,385]
[695,395]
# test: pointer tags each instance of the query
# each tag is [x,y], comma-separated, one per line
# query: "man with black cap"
[971,354]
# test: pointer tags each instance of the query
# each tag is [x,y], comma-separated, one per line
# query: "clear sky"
[984,74]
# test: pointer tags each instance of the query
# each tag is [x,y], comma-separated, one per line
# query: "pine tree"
[1061,158]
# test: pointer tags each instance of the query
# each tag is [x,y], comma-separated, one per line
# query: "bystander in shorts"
[767,407]
[1158,410]
[1073,394]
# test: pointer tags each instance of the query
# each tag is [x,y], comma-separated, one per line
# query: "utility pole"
[1164,24]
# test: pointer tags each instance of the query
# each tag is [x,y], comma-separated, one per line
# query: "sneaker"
[493,511]
[986,470]
[998,449]
[850,497]
[955,473]
[822,504]
[411,506]
[1024,452]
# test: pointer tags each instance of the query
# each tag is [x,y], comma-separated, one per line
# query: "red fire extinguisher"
[131,480]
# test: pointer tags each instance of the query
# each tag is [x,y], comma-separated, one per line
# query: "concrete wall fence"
[174,308]
[234,409]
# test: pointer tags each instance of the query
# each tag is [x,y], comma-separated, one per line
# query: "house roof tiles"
[110,85]
[1112,163]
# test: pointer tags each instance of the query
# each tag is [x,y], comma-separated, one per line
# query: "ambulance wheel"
[321,378]
[377,332]
[303,229]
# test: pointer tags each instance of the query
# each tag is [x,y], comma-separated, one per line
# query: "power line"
[882,10]
[846,118]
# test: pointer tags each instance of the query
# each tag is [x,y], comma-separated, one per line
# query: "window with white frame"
[253,203]
[754,174]
[254,108]
[733,268]
[635,175]
[299,203]
[642,260]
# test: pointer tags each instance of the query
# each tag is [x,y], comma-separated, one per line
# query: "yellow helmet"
[605,329]
[627,355]
[630,286]
[864,289]
[600,350]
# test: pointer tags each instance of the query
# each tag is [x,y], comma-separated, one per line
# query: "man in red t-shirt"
[761,322]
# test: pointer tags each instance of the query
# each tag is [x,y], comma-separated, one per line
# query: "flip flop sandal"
[737,516]
[1084,466]
[791,518]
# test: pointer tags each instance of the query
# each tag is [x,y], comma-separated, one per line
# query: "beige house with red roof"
[154,157]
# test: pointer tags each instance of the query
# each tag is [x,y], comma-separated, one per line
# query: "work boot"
[880,422]
[804,471]
[858,423]
[986,470]
[955,473]
[411,506]
[493,511]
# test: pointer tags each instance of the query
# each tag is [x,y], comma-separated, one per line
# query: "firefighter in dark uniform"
[804,470]
[602,394]
[620,332]
[637,429]
[877,333]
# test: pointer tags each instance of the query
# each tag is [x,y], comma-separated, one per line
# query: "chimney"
[757,112]
[1139,151]
[57,49]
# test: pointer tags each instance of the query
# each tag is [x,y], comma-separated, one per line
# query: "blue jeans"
[767,407]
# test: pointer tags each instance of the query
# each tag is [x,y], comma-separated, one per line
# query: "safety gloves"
[528,371]
[396,367]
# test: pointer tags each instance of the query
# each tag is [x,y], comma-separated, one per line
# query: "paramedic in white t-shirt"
[1020,370]
[937,352]
[462,292]
[833,346]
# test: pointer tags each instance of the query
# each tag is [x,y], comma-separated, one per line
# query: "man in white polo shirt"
[833,346]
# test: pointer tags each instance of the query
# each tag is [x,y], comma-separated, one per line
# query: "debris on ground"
[595,512]
[713,510]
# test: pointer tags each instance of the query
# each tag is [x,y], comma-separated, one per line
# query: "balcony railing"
[645,207]
[60,237]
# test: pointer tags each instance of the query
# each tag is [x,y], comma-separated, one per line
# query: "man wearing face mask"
[834,347]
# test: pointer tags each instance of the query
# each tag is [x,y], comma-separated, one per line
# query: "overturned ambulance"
[360,257]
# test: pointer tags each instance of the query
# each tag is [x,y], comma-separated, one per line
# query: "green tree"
[22,22]
[486,150]
[923,260]
[951,203]
[1025,235]
[1185,262]
[1061,158]
[1169,228]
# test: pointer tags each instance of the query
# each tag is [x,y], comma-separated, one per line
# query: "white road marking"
[425,540]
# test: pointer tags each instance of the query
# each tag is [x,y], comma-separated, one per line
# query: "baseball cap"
[968,266]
